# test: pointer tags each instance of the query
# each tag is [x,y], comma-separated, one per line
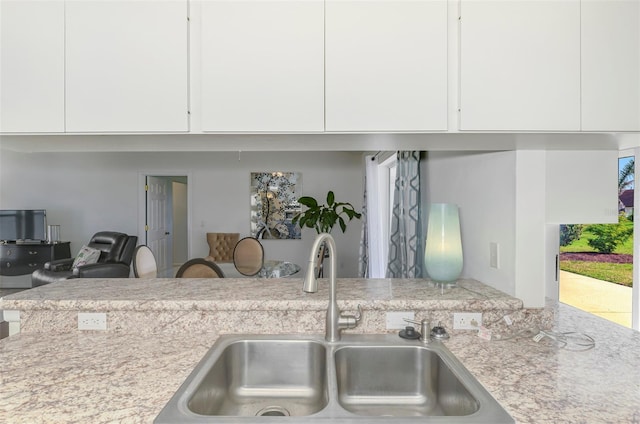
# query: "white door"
[159,222]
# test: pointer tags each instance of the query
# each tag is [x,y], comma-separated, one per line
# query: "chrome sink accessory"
[409,333]
[439,333]
[257,378]
[425,329]
[334,321]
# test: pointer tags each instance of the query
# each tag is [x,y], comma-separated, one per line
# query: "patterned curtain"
[363,267]
[405,245]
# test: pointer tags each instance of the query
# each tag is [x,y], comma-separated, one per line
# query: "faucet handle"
[350,321]
[358,316]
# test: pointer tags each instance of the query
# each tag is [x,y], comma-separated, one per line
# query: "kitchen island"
[159,329]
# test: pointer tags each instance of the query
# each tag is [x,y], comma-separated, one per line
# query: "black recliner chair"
[114,262]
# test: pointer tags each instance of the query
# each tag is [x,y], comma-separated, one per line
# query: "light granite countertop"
[249,305]
[256,294]
[127,377]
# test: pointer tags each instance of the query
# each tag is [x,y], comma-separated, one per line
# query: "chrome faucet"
[335,321]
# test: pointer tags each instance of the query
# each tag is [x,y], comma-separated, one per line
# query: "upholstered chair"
[199,268]
[144,263]
[221,246]
[248,256]
[116,252]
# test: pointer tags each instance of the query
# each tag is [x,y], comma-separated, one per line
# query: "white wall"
[88,192]
[505,197]
[483,186]
[513,198]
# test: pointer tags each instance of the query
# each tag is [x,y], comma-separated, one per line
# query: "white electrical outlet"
[395,320]
[92,321]
[467,320]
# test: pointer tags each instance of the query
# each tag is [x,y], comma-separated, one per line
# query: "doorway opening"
[166,220]
[596,260]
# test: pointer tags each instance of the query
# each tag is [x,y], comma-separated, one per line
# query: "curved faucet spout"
[310,282]
[335,321]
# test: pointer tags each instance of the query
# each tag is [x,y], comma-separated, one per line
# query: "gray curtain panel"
[406,238]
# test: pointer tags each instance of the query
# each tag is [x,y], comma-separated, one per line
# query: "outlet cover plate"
[464,320]
[92,321]
[395,320]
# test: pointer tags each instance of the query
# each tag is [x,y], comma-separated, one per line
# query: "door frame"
[553,252]
[142,204]
[635,292]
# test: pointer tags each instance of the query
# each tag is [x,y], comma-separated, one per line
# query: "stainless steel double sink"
[304,379]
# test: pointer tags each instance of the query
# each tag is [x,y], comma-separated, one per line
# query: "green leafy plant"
[324,217]
[569,233]
[608,236]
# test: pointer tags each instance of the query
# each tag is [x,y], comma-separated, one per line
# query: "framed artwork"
[274,203]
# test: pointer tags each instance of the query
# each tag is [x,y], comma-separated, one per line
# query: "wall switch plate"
[92,321]
[395,320]
[467,320]
[494,255]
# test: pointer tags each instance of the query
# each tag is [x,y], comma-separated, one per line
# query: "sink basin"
[400,381]
[305,379]
[264,378]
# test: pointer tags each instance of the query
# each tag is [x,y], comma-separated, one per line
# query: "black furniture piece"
[114,262]
[24,258]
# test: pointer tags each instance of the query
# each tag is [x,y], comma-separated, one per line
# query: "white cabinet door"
[520,65]
[386,65]
[611,65]
[31,66]
[126,66]
[262,65]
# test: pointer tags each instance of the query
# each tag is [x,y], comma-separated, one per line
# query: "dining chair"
[199,268]
[221,246]
[248,256]
[144,262]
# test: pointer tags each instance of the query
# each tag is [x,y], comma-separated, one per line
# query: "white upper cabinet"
[31,66]
[520,65]
[386,65]
[610,65]
[126,66]
[262,65]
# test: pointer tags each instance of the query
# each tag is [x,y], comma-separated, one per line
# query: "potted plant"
[323,218]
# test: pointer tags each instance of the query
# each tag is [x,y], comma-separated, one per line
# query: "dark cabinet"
[22,259]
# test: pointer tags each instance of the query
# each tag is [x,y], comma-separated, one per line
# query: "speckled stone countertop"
[248,305]
[108,377]
[127,376]
[255,294]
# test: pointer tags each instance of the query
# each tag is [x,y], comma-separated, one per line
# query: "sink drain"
[273,411]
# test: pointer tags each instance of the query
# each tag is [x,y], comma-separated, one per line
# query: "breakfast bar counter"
[54,373]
